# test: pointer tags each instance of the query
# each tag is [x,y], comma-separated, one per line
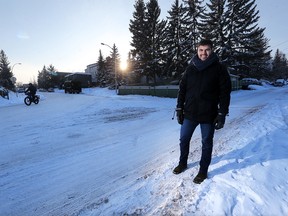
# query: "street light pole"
[116,86]
[13,78]
[14,65]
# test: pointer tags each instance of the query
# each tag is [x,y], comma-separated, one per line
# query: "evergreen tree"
[45,77]
[53,79]
[285,66]
[5,72]
[260,59]
[130,62]
[112,64]
[193,19]
[232,25]
[147,36]
[153,53]
[101,75]
[116,58]
[239,42]
[176,34]
[214,27]
[133,76]
[183,34]
[138,30]
[248,44]
[280,66]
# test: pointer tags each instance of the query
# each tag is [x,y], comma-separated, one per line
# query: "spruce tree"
[48,78]
[53,79]
[138,30]
[153,53]
[248,45]
[101,76]
[280,66]
[44,78]
[214,27]
[232,25]
[193,19]
[147,36]
[116,58]
[5,72]
[260,59]
[112,64]
[176,34]
[134,76]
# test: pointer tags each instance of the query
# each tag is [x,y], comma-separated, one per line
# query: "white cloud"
[23,35]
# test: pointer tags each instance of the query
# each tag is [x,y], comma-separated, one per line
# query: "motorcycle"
[29,99]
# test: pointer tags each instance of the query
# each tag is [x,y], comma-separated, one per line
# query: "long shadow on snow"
[259,151]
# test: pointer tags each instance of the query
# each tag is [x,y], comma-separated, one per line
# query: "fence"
[159,91]
[170,91]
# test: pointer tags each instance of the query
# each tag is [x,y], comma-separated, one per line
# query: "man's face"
[204,51]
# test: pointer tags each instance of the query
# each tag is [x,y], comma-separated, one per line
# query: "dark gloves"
[219,121]
[180,115]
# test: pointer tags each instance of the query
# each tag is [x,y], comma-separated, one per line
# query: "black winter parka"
[203,94]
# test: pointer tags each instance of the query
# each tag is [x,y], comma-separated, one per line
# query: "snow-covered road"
[69,150]
[100,154]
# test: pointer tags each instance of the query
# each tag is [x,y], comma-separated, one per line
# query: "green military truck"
[76,81]
[72,87]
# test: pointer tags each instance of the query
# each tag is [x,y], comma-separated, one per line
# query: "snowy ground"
[98,153]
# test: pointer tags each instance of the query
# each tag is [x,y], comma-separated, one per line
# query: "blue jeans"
[207,132]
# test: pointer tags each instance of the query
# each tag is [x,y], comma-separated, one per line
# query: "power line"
[280,43]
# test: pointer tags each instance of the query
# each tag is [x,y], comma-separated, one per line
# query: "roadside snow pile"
[18,98]
[14,98]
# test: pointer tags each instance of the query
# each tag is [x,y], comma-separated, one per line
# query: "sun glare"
[123,65]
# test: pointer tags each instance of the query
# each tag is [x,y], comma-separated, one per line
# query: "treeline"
[47,78]
[162,48]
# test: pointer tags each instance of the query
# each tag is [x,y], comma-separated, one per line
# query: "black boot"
[200,177]
[180,168]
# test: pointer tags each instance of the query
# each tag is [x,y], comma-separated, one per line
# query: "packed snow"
[98,153]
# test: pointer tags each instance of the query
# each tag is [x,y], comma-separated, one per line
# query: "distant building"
[92,69]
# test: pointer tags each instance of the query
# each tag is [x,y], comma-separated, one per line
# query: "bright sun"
[123,65]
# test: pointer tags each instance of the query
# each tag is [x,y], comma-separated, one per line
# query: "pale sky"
[68,33]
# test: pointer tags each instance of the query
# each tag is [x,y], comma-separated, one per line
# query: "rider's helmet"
[30,84]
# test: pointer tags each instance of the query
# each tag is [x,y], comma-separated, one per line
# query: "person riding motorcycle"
[31,90]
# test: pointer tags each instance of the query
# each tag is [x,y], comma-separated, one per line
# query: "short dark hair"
[206,42]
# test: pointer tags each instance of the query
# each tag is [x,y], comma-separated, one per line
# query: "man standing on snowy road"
[203,99]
